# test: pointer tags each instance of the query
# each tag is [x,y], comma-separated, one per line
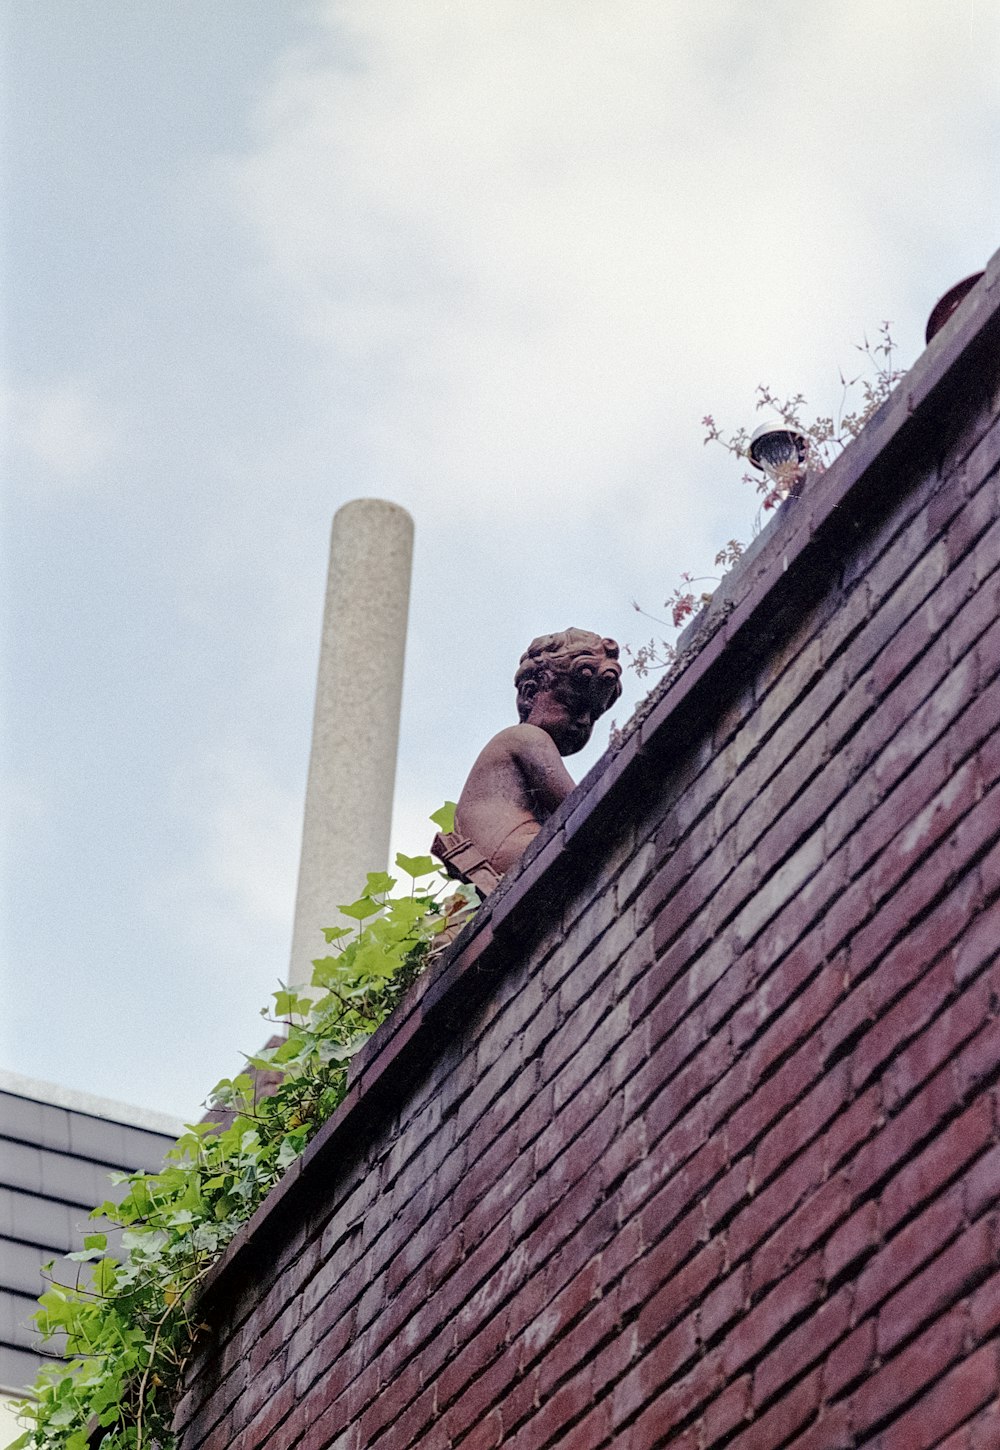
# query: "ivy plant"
[129,1324]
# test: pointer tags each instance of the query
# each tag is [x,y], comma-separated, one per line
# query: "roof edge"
[89,1104]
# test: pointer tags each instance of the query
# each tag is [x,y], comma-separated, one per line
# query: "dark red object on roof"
[947,304]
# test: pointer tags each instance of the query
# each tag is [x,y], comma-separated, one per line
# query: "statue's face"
[567,708]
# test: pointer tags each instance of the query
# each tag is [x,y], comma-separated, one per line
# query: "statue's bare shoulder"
[564,682]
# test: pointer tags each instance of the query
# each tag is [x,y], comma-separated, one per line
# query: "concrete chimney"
[352,766]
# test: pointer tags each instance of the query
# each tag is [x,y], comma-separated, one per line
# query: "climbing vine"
[823,438]
[129,1324]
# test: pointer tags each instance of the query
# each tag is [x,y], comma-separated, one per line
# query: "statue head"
[565,682]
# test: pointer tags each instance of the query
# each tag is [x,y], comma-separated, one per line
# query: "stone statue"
[564,682]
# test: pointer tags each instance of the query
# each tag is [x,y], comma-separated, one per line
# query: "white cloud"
[538,240]
[59,426]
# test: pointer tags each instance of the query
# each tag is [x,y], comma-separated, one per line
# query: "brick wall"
[692,1140]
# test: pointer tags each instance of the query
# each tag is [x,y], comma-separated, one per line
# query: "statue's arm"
[547,782]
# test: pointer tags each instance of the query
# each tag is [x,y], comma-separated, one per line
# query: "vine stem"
[152,1348]
[145,1376]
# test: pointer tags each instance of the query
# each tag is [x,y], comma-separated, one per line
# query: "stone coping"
[747,614]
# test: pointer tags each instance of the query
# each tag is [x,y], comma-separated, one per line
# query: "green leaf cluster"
[128,1325]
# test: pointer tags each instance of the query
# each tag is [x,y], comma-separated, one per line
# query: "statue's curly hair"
[578,652]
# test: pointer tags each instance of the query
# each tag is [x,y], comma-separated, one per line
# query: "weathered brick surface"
[693,1140]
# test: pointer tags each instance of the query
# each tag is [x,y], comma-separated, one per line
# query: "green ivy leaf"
[379,882]
[444,817]
[176,1222]
[417,865]
[286,1004]
[361,909]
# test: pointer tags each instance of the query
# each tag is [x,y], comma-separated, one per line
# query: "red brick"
[900,912]
[629,1055]
[926,831]
[221,1436]
[478,1396]
[989,866]
[790,1413]
[478,1348]
[977,831]
[947,1153]
[261,1431]
[390,1402]
[801,1348]
[680,887]
[770,1101]
[924,1002]
[683,1183]
[580,1212]
[766,1321]
[984,1307]
[853,1128]
[654,1371]
[947,1277]
[951,1026]
[799,1233]
[925,941]
[612,1361]
[854,1241]
[572,1349]
[907,1250]
[326,1352]
[647,1274]
[684,1397]
[590,1433]
[982,1183]
[725,1413]
[560,1409]
[849,1361]
[906,1374]
[649,1429]
[984,1429]
[965,1389]
[830,1431]
[979,945]
[776,1202]
[485,1436]
[794,1025]
[727,1193]
[681,1292]
[721,1305]
[620,1253]
[562,1309]
[988,763]
[578,1136]
[885,1153]
[849,909]
[796,771]
[804,1121]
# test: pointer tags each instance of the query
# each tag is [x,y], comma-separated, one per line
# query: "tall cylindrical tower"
[352,767]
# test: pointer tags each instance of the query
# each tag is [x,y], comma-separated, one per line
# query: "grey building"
[57,1148]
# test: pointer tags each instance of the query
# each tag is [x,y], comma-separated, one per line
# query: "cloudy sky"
[492,260]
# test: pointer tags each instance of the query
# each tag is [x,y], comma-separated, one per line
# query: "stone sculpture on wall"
[564,683]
